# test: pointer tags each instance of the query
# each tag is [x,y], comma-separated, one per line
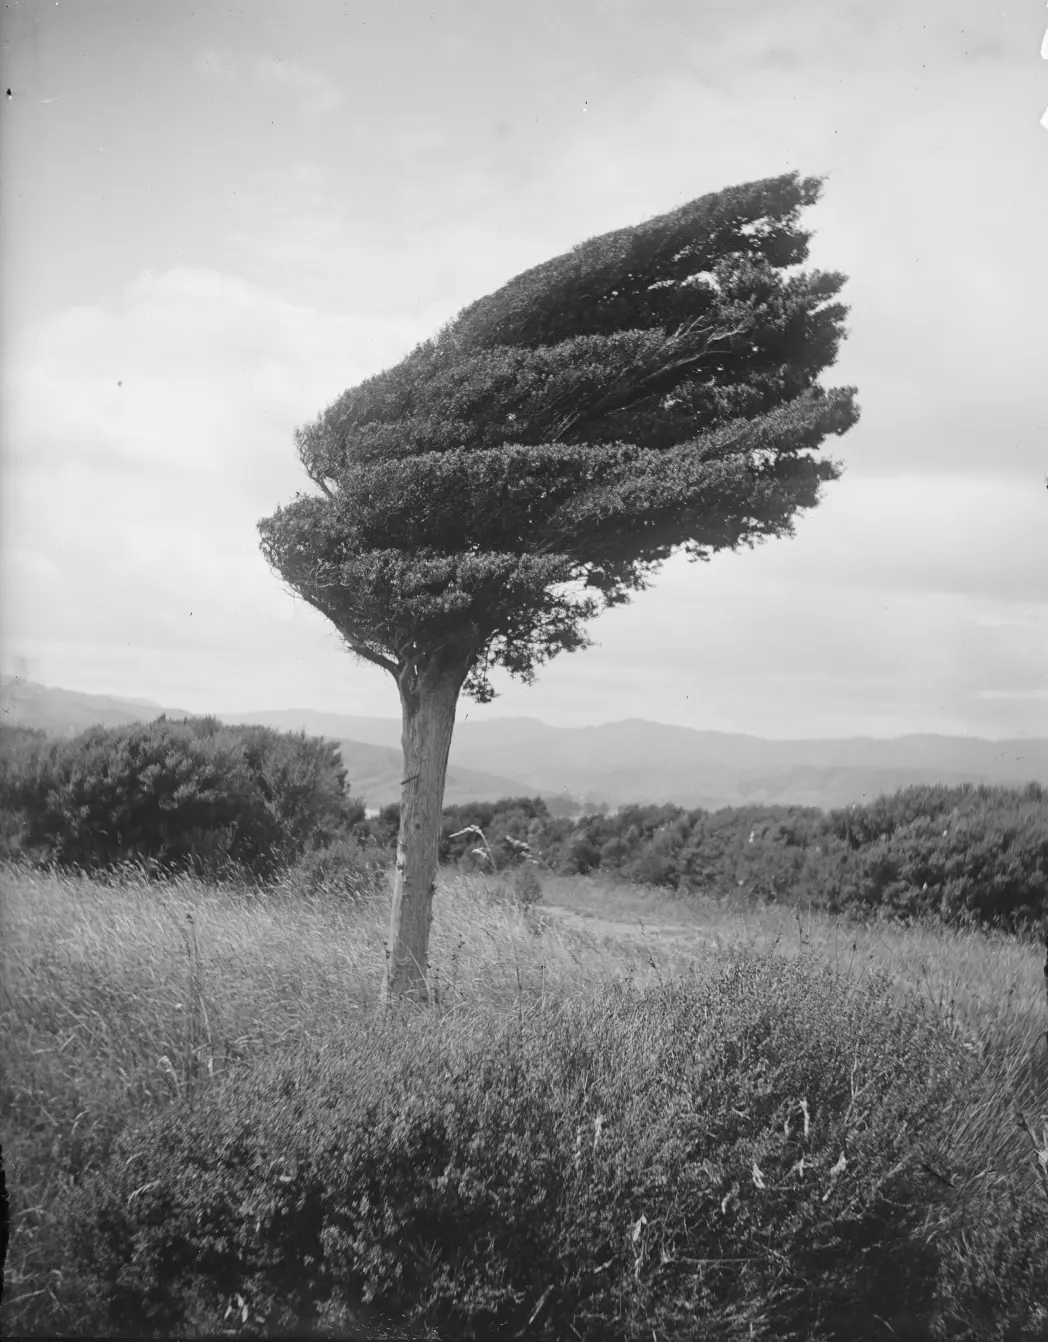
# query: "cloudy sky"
[216,218]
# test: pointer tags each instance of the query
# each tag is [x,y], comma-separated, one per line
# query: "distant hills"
[615,763]
[374,769]
[24,703]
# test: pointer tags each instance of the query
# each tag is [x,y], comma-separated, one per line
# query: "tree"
[652,389]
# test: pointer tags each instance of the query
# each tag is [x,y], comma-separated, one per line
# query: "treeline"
[194,795]
[965,853]
[201,796]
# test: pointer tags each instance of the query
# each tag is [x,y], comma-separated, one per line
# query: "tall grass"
[128,1004]
[987,985]
[122,996]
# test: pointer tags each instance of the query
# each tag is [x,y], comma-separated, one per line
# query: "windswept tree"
[653,389]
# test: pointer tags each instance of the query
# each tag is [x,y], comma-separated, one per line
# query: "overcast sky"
[216,218]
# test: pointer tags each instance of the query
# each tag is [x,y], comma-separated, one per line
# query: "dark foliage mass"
[175,796]
[200,796]
[653,388]
[966,854]
[764,1154]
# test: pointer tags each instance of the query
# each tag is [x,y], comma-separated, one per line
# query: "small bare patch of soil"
[682,936]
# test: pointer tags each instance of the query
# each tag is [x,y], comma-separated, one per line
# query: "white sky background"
[217,218]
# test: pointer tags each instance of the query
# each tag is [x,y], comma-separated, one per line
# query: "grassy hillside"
[622,1116]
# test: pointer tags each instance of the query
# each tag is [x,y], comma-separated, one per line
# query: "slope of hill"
[615,763]
[66,712]
[375,773]
[374,770]
[637,760]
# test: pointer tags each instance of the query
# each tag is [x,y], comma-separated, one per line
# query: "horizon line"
[6,678]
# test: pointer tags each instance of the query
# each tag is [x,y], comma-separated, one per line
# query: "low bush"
[527,884]
[351,866]
[182,796]
[509,827]
[766,1153]
[965,854]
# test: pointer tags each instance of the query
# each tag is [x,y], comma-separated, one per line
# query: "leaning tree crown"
[652,389]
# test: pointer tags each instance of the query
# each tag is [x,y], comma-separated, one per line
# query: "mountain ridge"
[631,760]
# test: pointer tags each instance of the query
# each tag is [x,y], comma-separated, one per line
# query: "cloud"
[984,538]
[144,439]
[147,436]
[901,605]
[739,646]
[315,91]
[144,435]
[209,62]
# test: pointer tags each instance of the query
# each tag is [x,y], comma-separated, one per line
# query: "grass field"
[125,1003]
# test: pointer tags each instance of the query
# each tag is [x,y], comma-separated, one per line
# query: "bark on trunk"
[428,702]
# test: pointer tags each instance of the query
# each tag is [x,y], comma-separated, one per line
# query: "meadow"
[625,1113]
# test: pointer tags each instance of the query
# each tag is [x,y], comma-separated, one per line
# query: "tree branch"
[369,656]
[636,388]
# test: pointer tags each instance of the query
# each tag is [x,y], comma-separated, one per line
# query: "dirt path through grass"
[683,937]
[988,987]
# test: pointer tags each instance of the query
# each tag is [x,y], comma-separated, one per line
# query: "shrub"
[384,827]
[350,866]
[522,885]
[194,795]
[507,825]
[746,1155]
[963,854]
[303,781]
[23,785]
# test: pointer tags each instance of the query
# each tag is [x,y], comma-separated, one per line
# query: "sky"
[216,218]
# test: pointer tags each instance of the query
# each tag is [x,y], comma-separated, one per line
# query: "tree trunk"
[428,702]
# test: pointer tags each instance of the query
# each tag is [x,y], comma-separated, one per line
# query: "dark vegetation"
[203,797]
[174,796]
[762,1154]
[965,854]
[209,1129]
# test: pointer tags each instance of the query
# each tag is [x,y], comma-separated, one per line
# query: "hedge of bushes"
[192,795]
[965,853]
[199,795]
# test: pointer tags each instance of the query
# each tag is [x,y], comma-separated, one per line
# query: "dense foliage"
[963,853]
[192,795]
[652,388]
[198,795]
[758,1153]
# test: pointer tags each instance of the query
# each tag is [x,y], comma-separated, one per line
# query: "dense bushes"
[510,827]
[348,865]
[199,795]
[965,854]
[192,795]
[747,1155]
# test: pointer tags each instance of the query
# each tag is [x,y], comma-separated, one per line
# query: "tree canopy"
[653,388]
